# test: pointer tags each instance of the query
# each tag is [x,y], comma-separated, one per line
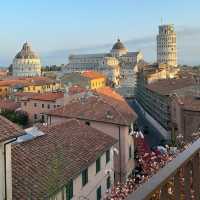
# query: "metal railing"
[178,180]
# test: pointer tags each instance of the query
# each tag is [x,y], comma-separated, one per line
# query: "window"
[99,193]
[25,103]
[42,105]
[107,156]
[87,123]
[69,190]
[130,152]
[42,118]
[98,164]
[54,106]
[84,177]
[108,183]
[35,104]
[48,106]
[35,116]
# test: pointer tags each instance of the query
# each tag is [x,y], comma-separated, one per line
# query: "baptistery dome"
[26,62]
[118,49]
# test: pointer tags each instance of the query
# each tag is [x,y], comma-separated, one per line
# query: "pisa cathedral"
[119,65]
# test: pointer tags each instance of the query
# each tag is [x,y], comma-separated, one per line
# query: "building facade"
[166,45]
[185,115]
[69,160]
[108,112]
[118,65]
[86,79]
[27,84]
[9,133]
[26,63]
[155,98]
[35,105]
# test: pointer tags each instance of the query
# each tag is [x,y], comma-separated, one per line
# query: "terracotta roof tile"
[98,107]
[48,96]
[92,74]
[46,164]
[9,130]
[76,89]
[8,105]
[167,86]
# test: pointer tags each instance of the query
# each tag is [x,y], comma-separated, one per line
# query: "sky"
[57,28]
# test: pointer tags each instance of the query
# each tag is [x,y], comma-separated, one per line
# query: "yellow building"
[86,79]
[97,80]
[33,84]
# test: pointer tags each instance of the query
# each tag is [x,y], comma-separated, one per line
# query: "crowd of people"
[148,162]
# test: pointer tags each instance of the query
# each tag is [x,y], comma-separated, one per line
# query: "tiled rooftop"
[45,164]
[98,107]
[92,75]
[47,96]
[167,86]
[8,104]
[9,130]
[76,89]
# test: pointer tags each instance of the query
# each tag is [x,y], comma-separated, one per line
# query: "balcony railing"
[178,180]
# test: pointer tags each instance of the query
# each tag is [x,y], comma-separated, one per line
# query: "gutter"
[5,174]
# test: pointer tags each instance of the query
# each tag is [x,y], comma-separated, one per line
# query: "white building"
[26,63]
[166,45]
[9,132]
[118,65]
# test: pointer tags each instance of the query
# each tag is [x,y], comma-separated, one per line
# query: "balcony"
[178,180]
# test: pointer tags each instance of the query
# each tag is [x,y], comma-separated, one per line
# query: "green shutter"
[107,156]
[108,183]
[130,152]
[98,164]
[84,177]
[99,193]
[69,190]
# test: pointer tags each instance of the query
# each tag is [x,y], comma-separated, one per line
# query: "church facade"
[119,65]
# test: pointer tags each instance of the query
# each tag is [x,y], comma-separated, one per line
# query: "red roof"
[47,96]
[167,86]
[44,165]
[9,130]
[107,91]
[76,89]
[92,74]
[97,107]
[9,105]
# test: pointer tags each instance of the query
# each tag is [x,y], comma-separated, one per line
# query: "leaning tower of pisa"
[166,45]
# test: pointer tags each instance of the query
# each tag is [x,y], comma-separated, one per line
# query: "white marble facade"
[118,65]
[26,63]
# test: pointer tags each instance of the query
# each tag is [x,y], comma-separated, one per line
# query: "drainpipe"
[120,167]
[5,174]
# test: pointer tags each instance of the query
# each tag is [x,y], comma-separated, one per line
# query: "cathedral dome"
[26,53]
[118,45]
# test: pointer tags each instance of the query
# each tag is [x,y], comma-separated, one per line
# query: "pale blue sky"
[52,25]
